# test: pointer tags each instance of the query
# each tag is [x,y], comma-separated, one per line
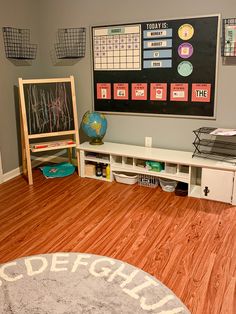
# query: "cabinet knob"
[206,190]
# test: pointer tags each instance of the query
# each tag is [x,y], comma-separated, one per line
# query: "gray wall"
[18,14]
[173,133]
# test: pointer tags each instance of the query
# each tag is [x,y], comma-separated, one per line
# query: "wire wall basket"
[17,43]
[72,43]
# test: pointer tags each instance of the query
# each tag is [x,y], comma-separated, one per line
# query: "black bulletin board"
[163,68]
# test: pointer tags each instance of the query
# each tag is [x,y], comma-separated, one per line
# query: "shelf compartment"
[115,159]
[97,157]
[170,168]
[127,161]
[195,191]
[195,182]
[90,170]
[140,163]
[183,169]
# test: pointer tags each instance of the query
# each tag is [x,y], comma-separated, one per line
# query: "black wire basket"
[17,43]
[72,43]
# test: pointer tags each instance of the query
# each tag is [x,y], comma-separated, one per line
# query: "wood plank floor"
[188,244]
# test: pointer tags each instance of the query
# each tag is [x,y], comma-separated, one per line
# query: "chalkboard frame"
[50,99]
[60,134]
[101,104]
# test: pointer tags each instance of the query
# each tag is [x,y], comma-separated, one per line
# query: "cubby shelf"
[200,174]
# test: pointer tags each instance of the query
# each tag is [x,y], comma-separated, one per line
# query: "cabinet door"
[217,185]
[234,191]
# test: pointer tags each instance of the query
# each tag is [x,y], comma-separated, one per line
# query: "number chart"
[117,48]
[163,68]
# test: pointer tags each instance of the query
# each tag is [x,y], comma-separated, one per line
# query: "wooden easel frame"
[26,137]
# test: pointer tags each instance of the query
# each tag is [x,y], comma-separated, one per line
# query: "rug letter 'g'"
[75,283]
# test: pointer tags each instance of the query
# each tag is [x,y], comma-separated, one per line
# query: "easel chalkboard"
[166,68]
[48,111]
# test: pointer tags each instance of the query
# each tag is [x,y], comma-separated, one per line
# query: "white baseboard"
[12,174]
[35,163]
[1,171]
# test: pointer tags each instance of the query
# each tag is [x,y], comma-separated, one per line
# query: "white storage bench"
[206,178]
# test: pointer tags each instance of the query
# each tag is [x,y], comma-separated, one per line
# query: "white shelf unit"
[137,165]
[198,173]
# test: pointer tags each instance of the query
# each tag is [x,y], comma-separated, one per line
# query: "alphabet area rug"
[73,283]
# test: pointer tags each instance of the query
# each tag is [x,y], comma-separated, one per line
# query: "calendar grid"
[118,51]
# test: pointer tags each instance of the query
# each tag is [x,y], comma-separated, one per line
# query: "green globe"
[94,125]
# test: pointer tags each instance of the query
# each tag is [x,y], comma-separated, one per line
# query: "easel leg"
[24,162]
[29,168]
[23,150]
[69,152]
[78,161]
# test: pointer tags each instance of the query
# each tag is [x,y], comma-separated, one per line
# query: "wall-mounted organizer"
[17,44]
[208,145]
[72,43]
[228,48]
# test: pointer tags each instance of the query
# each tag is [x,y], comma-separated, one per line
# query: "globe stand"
[96,141]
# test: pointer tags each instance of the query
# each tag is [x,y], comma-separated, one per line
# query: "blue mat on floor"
[58,170]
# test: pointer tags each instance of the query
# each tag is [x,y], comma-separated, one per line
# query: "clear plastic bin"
[168,185]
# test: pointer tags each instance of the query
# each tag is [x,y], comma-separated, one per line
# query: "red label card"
[201,92]
[158,91]
[179,92]
[103,91]
[139,91]
[121,91]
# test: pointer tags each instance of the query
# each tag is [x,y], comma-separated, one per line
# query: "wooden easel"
[58,134]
